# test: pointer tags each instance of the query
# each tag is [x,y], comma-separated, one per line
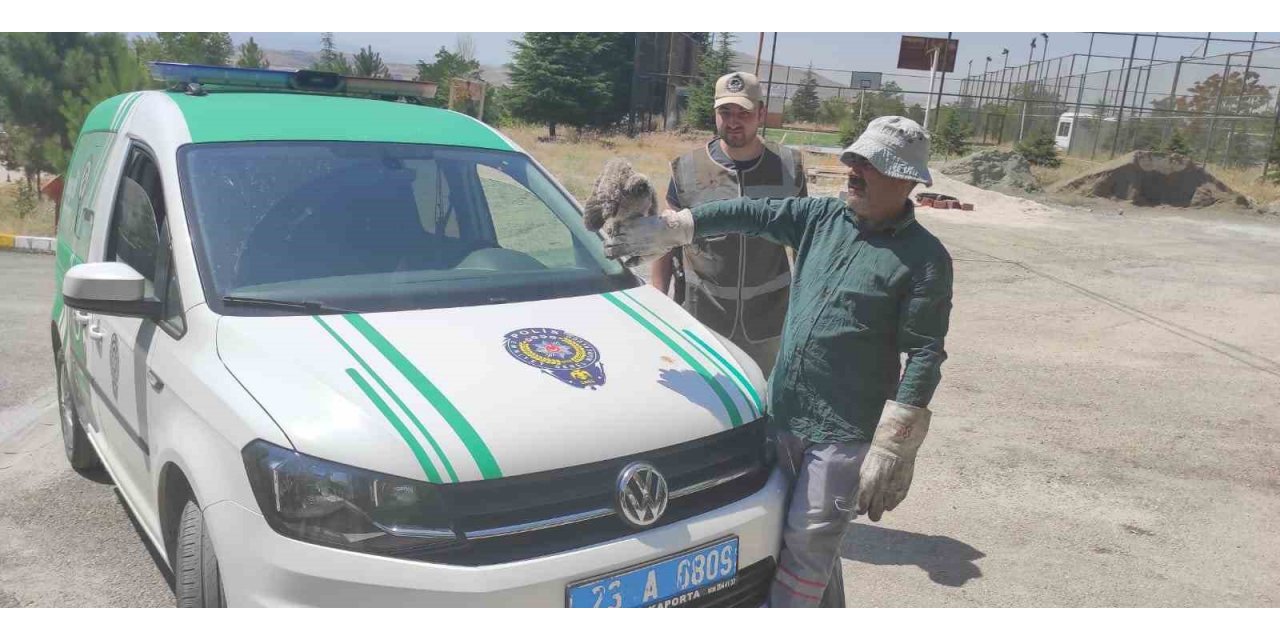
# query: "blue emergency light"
[185,76]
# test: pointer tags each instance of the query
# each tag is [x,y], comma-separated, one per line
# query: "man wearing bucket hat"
[734,284]
[870,284]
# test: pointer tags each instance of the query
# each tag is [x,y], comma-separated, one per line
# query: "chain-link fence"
[1222,108]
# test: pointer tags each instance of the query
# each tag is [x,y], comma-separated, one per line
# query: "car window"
[139,234]
[383,226]
[522,222]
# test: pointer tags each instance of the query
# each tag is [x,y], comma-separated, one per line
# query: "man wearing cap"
[736,285]
[870,284]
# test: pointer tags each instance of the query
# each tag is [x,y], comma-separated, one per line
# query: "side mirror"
[109,288]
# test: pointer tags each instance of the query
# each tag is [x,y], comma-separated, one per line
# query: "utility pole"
[759,52]
[773,55]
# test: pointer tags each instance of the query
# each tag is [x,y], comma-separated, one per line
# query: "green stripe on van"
[395,422]
[744,387]
[730,406]
[395,398]
[475,445]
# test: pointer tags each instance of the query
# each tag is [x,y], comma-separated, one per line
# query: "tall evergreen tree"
[805,102]
[578,79]
[447,65]
[251,56]
[714,62]
[48,84]
[191,47]
[368,64]
[330,58]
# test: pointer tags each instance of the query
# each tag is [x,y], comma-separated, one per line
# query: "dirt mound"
[1005,171]
[1149,178]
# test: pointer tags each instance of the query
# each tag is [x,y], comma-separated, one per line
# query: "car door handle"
[82,318]
[154,380]
[96,333]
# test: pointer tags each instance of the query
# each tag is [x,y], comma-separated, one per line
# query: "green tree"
[448,65]
[1177,144]
[916,112]
[1040,149]
[713,63]
[191,47]
[833,110]
[252,57]
[48,84]
[805,102]
[368,64]
[330,58]
[578,79]
[952,138]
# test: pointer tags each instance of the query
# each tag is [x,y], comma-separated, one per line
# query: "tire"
[75,442]
[197,582]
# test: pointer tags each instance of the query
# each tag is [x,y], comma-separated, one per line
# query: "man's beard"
[738,140]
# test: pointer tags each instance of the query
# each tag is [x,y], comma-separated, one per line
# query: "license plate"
[675,580]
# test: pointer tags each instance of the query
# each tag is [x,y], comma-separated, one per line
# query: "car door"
[137,236]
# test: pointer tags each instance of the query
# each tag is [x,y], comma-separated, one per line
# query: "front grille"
[485,513]
[751,589]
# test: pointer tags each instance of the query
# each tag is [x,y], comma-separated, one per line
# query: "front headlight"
[339,506]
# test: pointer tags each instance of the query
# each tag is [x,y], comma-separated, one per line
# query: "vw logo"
[642,494]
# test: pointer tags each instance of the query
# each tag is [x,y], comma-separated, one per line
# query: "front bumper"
[260,567]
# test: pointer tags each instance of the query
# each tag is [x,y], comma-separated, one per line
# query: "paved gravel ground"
[1105,432]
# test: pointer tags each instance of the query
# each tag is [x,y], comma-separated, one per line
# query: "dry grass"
[577,160]
[39,223]
[1070,168]
[1247,180]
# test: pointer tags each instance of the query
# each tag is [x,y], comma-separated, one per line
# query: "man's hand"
[890,463]
[650,237]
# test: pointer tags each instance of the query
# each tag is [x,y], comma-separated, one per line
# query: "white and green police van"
[340,349]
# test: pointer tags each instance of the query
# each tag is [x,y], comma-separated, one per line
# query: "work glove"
[649,237]
[886,471]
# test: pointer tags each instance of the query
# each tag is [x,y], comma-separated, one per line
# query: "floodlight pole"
[928,103]
[1030,58]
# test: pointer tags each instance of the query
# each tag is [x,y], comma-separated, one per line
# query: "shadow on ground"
[948,561]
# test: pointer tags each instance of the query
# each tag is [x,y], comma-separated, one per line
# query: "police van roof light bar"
[186,75]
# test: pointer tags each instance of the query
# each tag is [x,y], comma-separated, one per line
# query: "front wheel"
[196,577]
[75,442]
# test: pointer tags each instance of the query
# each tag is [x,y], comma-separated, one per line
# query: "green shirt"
[859,299]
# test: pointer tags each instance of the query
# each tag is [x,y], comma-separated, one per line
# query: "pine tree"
[48,84]
[1040,149]
[368,64]
[447,65]
[191,47]
[1177,144]
[252,57]
[715,62]
[952,139]
[578,79]
[330,58]
[805,102]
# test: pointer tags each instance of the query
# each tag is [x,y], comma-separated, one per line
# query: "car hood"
[471,393]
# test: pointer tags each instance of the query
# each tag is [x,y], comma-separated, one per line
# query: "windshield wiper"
[299,305]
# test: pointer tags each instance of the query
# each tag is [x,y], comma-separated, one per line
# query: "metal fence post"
[1102,115]
[1244,86]
[1084,79]
[1217,106]
[1173,99]
[1124,95]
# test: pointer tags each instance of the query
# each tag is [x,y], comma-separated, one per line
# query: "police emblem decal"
[557,353]
[734,84]
[115,366]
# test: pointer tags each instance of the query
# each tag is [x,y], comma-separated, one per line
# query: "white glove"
[890,463]
[651,236]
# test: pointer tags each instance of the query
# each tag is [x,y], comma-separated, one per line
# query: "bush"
[1040,149]
[1177,144]
[952,139]
[26,200]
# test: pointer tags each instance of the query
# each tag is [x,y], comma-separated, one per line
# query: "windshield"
[366,227]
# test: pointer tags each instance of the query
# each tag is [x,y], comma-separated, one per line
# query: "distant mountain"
[294,59]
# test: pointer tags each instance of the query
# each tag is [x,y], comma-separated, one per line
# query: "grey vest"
[737,286]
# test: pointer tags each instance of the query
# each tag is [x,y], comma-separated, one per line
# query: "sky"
[846,51]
